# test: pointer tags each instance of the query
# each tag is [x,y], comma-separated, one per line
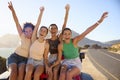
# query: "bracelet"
[98,22]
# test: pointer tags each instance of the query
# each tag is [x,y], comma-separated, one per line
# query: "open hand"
[104,15]
[10,5]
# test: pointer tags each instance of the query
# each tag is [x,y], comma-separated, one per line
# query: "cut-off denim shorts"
[35,62]
[15,58]
[73,63]
[52,58]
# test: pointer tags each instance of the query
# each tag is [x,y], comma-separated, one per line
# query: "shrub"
[2,65]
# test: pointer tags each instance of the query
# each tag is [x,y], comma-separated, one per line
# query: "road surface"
[106,62]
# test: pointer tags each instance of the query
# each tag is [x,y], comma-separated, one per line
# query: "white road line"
[110,56]
[103,68]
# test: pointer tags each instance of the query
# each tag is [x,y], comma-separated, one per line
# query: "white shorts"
[72,63]
[35,62]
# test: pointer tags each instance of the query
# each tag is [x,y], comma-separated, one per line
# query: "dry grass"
[118,52]
[89,68]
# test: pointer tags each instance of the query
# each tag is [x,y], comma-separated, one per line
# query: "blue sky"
[83,13]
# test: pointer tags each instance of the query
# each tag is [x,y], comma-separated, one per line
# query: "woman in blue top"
[71,65]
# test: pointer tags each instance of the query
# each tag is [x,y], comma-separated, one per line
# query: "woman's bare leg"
[55,72]
[29,71]
[38,71]
[63,72]
[13,71]
[72,73]
[21,71]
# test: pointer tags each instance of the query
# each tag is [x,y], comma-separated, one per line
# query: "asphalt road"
[106,62]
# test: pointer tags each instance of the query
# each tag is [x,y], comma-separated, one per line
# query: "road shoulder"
[88,67]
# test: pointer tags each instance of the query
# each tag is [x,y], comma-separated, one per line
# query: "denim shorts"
[15,58]
[52,58]
[34,62]
[73,63]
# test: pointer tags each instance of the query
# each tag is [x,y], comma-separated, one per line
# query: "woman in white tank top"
[37,50]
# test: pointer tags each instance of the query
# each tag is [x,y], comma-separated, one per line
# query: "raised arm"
[67,7]
[88,30]
[34,35]
[18,26]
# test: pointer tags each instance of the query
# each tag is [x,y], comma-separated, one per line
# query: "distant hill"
[113,42]
[115,48]
[10,40]
[87,41]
